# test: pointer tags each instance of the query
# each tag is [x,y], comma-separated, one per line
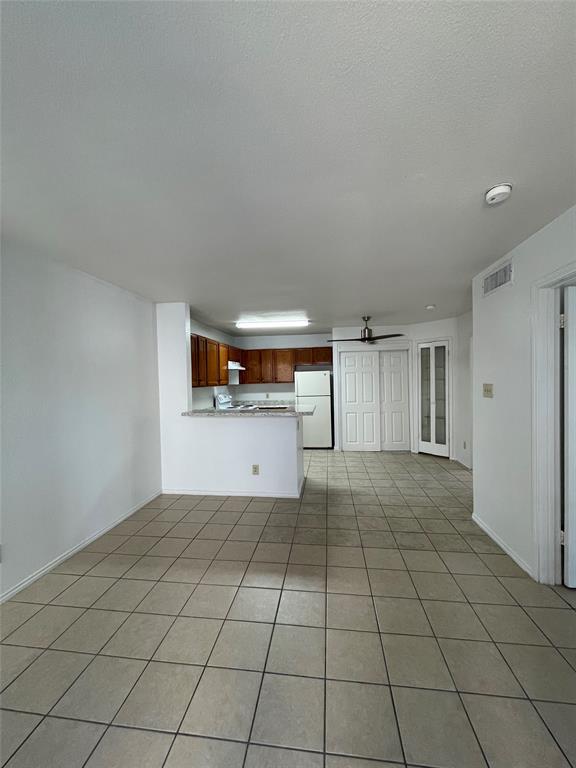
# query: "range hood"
[233,366]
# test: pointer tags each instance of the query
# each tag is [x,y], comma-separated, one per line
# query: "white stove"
[224,403]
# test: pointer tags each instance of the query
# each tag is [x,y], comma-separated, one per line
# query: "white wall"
[503,501]
[264,392]
[288,341]
[215,454]
[212,333]
[80,437]
[462,406]
[297,340]
[174,375]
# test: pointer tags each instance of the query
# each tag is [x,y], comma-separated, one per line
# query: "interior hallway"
[371,621]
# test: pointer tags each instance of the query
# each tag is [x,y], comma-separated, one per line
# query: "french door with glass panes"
[433,397]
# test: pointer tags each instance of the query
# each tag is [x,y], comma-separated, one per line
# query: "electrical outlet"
[267,395]
[255,469]
[488,390]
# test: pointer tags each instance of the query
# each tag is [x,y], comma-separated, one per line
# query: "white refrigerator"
[314,388]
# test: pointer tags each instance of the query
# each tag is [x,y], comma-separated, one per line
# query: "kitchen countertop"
[291,412]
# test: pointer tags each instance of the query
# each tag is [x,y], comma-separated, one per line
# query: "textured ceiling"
[325,157]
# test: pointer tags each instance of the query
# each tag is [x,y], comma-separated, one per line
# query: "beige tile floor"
[369,624]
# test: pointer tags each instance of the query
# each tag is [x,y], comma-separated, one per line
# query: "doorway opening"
[554,427]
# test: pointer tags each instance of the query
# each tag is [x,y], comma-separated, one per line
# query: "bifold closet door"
[360,401]
[433,398]
[394,400]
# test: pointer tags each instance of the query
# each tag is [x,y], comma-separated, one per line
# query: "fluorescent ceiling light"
[247,324]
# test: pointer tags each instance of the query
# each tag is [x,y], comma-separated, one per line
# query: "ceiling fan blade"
[387,336]
[367,340]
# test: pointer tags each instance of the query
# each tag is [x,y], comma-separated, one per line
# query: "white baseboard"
[461,461]
[227,492]
[72,551]
[502,544]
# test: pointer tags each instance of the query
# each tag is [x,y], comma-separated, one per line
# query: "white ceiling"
[325,157]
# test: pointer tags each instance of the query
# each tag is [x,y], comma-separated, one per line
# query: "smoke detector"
[498,194]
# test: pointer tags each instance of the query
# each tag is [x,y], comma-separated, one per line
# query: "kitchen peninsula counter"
[257,412]
[253,451]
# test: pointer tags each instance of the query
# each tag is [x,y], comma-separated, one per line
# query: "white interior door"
[394,401]
[360,401]
[570,437]
[433,398]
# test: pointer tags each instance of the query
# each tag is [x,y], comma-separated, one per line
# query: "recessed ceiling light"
[498,194]
[430,306]
[295,323]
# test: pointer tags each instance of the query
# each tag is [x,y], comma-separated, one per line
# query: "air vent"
[497,279]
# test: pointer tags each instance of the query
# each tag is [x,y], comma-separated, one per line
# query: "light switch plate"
[488,390]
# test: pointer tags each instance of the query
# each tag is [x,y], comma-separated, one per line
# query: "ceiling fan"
[366,334]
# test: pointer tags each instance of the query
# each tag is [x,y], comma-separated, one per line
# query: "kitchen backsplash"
[259,392]
[203,397]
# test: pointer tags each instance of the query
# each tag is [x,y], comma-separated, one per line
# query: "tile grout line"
[294,528]
[390,692]
[74,681]
[325,713]
[257,702]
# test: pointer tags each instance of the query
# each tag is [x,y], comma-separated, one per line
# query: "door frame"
[546,427]
[416,392]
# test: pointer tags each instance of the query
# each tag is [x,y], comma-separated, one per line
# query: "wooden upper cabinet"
[202,361]
[223,363]
[194,354]
[212,363]
[263,366]
[322,355]
[235,354]
[251,360]
[284,364]
[303,356]
[314,356]
[267,366]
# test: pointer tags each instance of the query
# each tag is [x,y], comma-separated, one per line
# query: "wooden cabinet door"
[303,356]
[235,354]
[252,362]
[212,363]
[202,361]
[223,363]
[267,364]
[194,354]
[322,355]
[284,364]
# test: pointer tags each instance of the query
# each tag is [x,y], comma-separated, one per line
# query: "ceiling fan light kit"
[366,335]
